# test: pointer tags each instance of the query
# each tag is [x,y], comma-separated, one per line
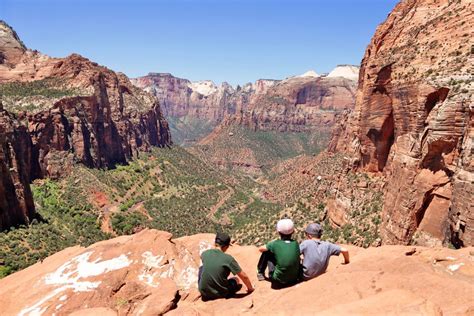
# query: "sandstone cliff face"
[151,274]
[413,121]
[16,202]
[69,110]
[297,104]
[181,97]
[300,104]
[82,112]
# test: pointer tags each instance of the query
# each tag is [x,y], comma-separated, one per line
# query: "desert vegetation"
[173,190]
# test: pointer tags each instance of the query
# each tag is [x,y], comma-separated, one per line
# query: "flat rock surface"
[150,273]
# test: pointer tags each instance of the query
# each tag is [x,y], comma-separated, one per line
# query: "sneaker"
[260,276]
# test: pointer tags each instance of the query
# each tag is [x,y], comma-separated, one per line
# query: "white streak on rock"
[203,246]
[69,275]
[36,309]
[455,267]
[151,261]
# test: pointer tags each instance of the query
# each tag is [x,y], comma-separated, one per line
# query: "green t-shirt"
[216,267]
[287,255]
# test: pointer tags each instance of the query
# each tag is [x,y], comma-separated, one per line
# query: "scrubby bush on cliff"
[50,88]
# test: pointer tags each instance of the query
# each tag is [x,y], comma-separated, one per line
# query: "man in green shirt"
[282,257]
[216,266]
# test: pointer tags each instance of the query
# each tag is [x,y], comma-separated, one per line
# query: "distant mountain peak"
[346,71]
[11,47]
[309,73]
[204,87]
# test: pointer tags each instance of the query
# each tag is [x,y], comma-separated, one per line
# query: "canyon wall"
[297,104]
[73,110]
[16,201]
[412,121]
[300,104]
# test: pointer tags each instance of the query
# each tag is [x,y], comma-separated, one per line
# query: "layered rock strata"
[73,110]
[300,103]
[82,112]
[413,121]
[16,202]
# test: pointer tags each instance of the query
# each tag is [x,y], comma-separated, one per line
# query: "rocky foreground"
[150,273]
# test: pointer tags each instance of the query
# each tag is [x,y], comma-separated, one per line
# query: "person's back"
[213,281]
[287,257]
[316,253]
[281,257]
[217,266]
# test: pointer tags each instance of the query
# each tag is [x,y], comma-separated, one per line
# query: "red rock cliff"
[62,111]
[300,104]
[16,201]
[296,104]
[413,121]
[82,112]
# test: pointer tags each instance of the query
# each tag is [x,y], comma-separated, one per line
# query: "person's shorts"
[234,287]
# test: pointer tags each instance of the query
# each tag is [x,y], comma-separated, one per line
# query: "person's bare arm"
[262,248]
[243,276]
[345,254]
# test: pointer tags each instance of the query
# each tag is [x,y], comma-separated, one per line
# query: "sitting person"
[316,253]
[213,281]
[281,256]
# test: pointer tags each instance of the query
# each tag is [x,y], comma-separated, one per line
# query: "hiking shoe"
[260,276]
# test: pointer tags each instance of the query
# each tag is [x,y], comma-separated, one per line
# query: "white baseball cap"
[285,226]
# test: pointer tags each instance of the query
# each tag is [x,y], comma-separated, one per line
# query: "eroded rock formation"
[413,121]
[72,110]
[82,112]
[151,274]
[300,103]
[16,201]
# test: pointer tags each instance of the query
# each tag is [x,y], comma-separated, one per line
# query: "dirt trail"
[139,207]
[220,203]
[107,212]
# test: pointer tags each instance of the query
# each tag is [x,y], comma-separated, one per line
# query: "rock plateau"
[152,274]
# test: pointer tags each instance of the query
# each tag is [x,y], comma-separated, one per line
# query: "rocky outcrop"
[345,71]
[413,121]
[16,202]
[301,103]
[183,98]
[152,274]
[80,111]
[64,111]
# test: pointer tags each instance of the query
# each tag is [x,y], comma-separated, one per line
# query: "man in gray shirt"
[316,253]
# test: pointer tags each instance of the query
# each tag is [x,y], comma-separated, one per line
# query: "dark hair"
[285,237]
[222,239]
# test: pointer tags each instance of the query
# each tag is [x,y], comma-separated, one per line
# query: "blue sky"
[223,40]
